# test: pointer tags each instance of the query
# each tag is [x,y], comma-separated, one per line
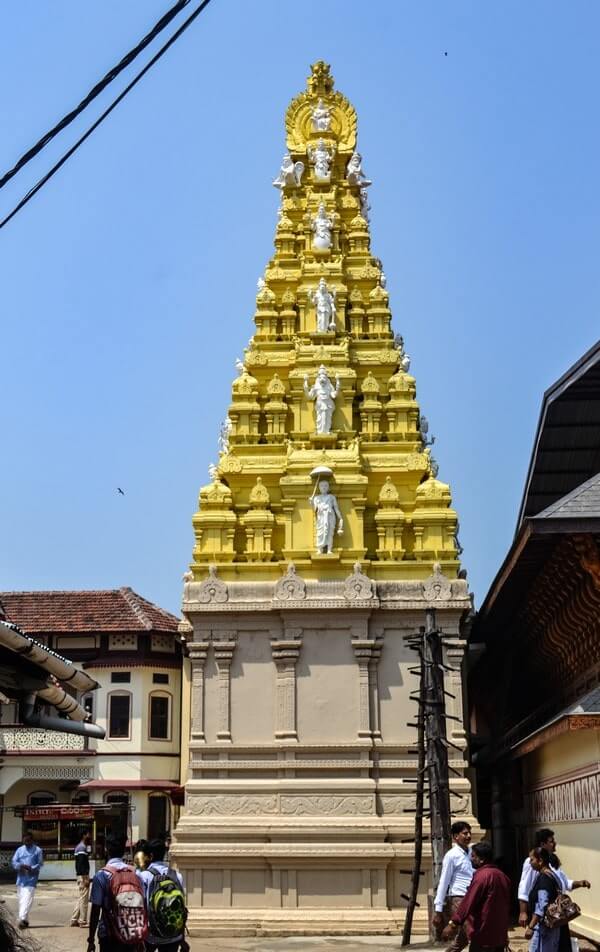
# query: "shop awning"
[168,785]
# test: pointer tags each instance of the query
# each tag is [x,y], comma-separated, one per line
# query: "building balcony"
[17,739]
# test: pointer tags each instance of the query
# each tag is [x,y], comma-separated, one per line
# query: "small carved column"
[223,657]
[363,650]
[374,688]
[198,651]
[285,656]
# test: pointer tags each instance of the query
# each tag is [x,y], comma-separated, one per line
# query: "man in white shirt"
[546,839]
[457,873]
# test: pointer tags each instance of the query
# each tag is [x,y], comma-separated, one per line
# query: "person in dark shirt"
[82,872]
[485,910]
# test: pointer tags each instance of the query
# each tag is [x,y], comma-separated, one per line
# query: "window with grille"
[159,717]
[119,713]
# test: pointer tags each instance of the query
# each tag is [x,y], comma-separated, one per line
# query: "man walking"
[158,869]
[82,873]
[104,916]
[485,910]
[457,873]
[27,861]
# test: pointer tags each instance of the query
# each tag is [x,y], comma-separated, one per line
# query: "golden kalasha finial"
[320,81]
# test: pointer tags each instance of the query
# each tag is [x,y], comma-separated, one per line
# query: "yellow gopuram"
[321,539]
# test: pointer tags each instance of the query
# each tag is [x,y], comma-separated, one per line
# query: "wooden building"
[534,686]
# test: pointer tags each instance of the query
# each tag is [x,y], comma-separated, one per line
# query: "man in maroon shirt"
[485,910]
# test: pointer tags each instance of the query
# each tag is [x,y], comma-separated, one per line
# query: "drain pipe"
[33,718]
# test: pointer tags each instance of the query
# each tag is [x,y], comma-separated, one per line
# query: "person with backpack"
[165,902]
[118,904]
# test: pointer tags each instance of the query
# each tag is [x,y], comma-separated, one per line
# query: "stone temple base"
[299,805]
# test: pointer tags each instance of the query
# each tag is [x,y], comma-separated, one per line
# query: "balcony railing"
[17,737]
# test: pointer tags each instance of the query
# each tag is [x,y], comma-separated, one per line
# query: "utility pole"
[436,755]
[432,760]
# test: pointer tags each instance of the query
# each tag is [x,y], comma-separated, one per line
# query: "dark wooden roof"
[567,444]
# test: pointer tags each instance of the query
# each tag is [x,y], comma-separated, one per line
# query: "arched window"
[116,796]
[41,798]
[159,715]
[118,715]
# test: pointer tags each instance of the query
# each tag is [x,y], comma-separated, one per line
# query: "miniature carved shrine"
[320,540]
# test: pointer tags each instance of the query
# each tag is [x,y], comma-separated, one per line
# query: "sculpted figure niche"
[320,158]
[324,394]
[321,117]
[327,512]
[321,226]
[324,301]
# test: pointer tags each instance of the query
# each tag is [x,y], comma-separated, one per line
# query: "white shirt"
[457,873]
[529,876]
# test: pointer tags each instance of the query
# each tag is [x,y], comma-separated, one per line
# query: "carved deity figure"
[320,157]
[324,301]
[327,512]
[321,226]
[290,173]
[365,208]
[354,172]
[321,117]
[324,394]
[224,434]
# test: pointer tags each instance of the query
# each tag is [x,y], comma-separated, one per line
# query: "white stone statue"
[365,208]
[320,158]
[260,284]
[321,226]
[321,117]
[213,472]
[354,172]
[224,434]
[424,431]
[240,366]
[327,512]
[324,394]
[324,301]
[290,173]
[404,358]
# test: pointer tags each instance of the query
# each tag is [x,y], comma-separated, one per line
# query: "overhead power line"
[112,74]
[67,155]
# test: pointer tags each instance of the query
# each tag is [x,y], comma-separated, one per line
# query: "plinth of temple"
[320,540]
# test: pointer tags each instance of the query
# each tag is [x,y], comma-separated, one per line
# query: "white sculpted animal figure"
[327,512]
[354,172]
[324,301]
[321,117]
[290,173]
[320,157]
[324,394]
[321,226]
[365,208]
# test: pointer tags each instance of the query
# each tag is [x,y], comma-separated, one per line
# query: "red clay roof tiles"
[94,611]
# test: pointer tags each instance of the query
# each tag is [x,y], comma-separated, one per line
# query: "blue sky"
[127,285]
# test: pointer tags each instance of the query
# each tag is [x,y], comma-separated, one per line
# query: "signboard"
[58,812]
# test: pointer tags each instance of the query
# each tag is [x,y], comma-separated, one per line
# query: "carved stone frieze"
[345,805]
[228,805]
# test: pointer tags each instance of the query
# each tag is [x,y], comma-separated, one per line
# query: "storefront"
[58,828]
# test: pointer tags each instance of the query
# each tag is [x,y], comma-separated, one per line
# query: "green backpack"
[167,911]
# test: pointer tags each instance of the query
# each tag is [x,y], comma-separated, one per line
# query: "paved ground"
[54,902]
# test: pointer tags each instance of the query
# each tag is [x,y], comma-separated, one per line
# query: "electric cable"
[46,178]
[112,74]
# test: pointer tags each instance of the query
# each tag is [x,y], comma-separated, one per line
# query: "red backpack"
[126,914]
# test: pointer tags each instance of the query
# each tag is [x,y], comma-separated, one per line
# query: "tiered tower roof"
[322,302]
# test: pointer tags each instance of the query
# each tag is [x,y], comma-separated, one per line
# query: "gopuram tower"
[321,540]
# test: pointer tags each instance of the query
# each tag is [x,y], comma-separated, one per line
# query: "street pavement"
[50,931]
